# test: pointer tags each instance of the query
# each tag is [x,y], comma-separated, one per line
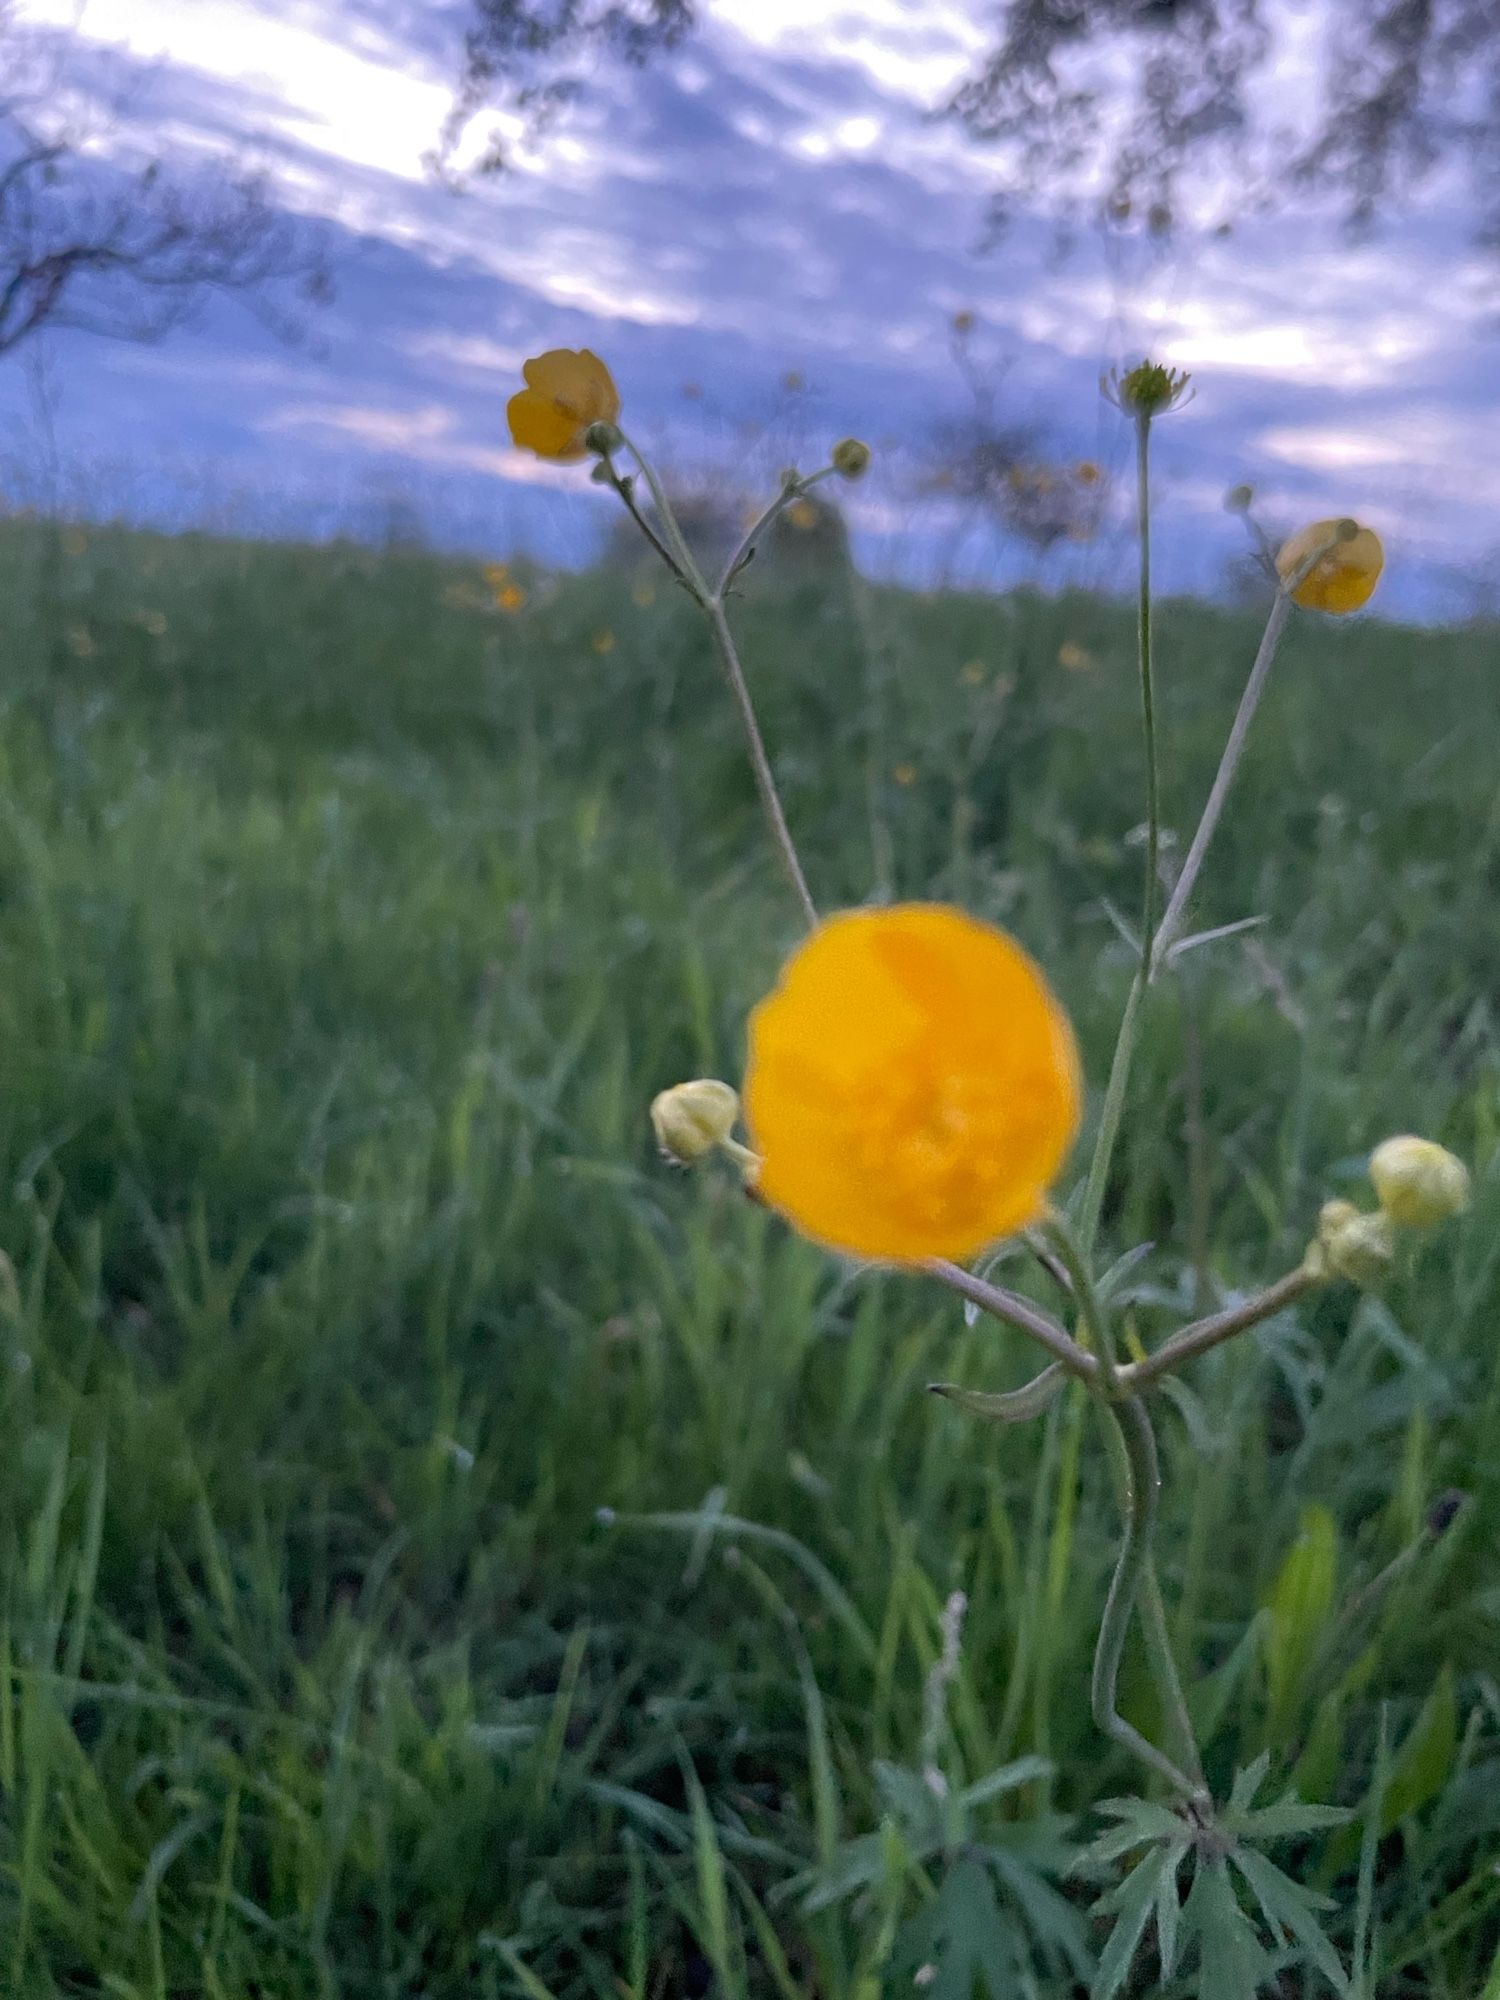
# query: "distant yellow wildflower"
[603,640]
[913,1086]
[1077,659]
[511,598]
[566,392]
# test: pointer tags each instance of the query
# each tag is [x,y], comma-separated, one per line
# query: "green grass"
[346,930]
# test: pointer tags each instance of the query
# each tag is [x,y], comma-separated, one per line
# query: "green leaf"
[1288,1818]
[1011,1406]
[1134,1900]
[1289,1907]
[1232,1963]
[1248,1782]
[1168,1910]
[1007,1778]
[958,1942]
[1301,1599]
[1422,1764]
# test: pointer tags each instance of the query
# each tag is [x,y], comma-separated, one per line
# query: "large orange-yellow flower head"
[1344,578]
[565,393]
[913,1085]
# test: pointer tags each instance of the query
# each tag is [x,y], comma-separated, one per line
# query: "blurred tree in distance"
[1126,110]
[120,243]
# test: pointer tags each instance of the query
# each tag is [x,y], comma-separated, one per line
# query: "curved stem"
[1176,911]
[691,573]
[1091,1313]
[789,492]
[1017,1312]
[765,778]
[1132,1449]
[1148,691]
[1206,1333]
[1187,881]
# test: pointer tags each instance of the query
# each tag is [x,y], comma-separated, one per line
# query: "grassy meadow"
[447,1553]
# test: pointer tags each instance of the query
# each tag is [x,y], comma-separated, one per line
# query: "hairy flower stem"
[672,546]
[1148,691]
[1109,1118]
[1176,912]
[1132,1449]
[1204,1334]
[765,778]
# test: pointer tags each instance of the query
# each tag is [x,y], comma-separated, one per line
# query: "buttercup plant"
[912,1097]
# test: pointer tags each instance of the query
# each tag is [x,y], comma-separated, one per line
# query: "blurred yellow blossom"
[913,1086]
[1343,579]
[1086,472]
[803,514]
[643,596]
[1077,659]
[972,673]
[511,598]
[566,393]
[905,774]
[603,640]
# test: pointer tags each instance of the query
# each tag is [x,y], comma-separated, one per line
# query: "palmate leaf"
[960,1944]
[1140,1824]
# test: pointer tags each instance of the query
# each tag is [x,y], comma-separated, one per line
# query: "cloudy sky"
[775,200]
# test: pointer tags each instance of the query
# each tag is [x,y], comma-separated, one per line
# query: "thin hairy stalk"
[1177,906]
[691,573]
[765,778]
[671,546]
[623,487]
[1109,1118]
[1163,1660]
[791,490]
[1017,1312]
[1218,1327]
[1091,1314]
[1148,690]
[1132,1451]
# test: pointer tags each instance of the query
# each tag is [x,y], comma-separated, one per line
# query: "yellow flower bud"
[1354,1245]
[1418,1183]
[851,457]
[1345,577]
[691,1119]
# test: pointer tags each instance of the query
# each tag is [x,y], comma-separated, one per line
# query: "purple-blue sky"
[776,198]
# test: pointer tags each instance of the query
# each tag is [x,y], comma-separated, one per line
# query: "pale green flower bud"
[691,1119]
[1418,1183]
[851,457]
[1353,1245]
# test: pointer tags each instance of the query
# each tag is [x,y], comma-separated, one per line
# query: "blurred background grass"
[348,923]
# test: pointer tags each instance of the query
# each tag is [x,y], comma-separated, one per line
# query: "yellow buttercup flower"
[511,598]
[566,392]
[913,1086]
[1342,580]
